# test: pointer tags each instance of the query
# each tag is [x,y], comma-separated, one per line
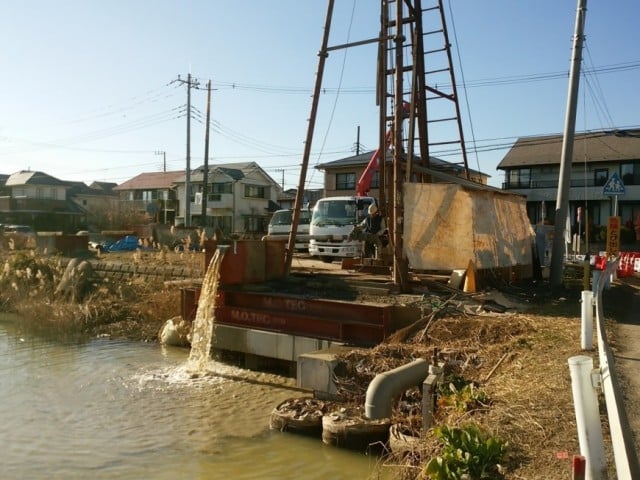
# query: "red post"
[579,467]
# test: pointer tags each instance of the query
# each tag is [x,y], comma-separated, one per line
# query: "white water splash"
[202,330]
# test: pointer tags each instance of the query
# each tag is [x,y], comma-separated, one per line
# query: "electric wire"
[466,96]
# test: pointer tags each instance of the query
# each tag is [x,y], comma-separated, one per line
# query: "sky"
[95,90]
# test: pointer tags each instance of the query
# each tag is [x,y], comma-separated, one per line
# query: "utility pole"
[187,183]
[164,159]
[205,175]
[358,141]
[564,180]
[164,169]
[281,170]
[322,59]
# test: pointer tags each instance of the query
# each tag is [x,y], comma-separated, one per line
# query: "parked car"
[21,236]
[26,229]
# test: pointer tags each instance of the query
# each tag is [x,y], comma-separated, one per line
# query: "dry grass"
[134,309]
[518,361]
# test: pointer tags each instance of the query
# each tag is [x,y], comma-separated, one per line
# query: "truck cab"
[332,221]
[280,225]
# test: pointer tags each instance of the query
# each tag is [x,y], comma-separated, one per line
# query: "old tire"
[355,432]
[402,443]
[299,415]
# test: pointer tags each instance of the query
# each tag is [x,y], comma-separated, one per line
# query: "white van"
[280,224]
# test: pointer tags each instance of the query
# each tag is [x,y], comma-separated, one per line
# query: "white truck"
[332,221]
[280,226]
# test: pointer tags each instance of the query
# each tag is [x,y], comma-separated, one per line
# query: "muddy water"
[118,410]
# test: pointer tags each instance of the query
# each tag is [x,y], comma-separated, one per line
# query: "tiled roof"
[27,177]
[151,180]
[590,147]
[105,186]
[363,159]
[81,188]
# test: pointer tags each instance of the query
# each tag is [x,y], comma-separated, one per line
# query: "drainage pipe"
[385,386]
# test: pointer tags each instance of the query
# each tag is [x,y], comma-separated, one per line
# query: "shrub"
[468,452]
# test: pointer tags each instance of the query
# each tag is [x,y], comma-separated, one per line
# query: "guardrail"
[585,382]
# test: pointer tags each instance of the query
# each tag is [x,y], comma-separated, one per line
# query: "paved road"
[624,305]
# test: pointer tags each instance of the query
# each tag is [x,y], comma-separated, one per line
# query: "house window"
[600,176]
[54,193]
[630,173]
[214,197]
[39,192]
[221,187]
[375,181]
[520,178]
[223,223]
[345,181]
[254,224]
[256,191]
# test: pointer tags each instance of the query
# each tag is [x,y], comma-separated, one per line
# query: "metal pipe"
[385,386]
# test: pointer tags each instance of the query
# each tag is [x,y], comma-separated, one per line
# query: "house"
[151,194]
[287,198]
[532,168]
[97,200]
[341,176]
[41,201]
[240,198]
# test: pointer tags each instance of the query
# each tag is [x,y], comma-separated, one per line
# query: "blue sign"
[614,186]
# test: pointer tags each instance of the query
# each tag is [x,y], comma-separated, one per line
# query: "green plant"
[462,397]
[468,453]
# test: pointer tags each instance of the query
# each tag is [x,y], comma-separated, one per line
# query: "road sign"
[614,186]
[613,236]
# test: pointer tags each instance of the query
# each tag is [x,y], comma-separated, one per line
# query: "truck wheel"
[327,259]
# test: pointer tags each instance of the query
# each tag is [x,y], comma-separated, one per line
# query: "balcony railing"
[142,204]
[32,204]
[531,184]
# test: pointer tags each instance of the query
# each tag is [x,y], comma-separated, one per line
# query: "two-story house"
[287,198]
[41,201]
[532,168]
[240,197]
[341,176]
[152,194]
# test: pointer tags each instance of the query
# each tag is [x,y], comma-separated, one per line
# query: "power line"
[483,82]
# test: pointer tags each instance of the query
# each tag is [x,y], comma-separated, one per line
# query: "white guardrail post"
[625,456]
[585,400]
[586,339]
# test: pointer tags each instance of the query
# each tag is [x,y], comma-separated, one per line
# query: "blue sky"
[89,92]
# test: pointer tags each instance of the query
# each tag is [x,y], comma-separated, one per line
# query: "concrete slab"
[315,371]
[266,344]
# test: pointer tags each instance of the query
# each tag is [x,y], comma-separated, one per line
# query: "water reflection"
[112,410]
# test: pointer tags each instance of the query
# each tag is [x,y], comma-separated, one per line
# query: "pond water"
[109,409]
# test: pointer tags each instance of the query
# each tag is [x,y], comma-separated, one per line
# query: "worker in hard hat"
[373,228]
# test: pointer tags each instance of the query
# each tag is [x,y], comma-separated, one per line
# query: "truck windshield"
[335,212]
[285,217]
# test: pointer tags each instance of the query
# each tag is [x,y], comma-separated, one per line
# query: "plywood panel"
[446,226]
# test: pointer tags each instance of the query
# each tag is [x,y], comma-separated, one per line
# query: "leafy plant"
[461,397]
[468,453]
